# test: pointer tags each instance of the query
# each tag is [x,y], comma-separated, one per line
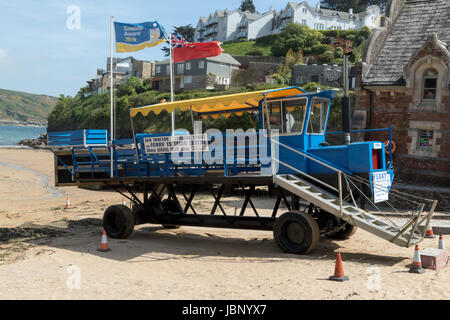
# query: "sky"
[44,50]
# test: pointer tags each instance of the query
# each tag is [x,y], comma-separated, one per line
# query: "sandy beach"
[42,245]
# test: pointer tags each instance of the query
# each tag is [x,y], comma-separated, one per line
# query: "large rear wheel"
[296,232]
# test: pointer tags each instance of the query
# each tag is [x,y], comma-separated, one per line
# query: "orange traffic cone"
[441,244]
[429,234]
[67,202]
[338,270]
[104,243]
[417,262]
[124,202]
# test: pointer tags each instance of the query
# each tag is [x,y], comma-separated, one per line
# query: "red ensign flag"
[183,50]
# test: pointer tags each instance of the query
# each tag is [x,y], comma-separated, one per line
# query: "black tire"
[296,232]
[343,234]
[118,222]
[169,205]
[139,214]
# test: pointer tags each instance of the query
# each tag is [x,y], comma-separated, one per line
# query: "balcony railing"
[212,21]
[242,24]
[242,34]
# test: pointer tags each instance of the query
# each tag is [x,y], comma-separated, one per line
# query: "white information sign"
[177,143]
[381,185]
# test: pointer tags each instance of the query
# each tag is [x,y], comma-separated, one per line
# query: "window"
[304,10]
[201,64]
[168,69]
[300,79]
[158,69]
[187,79]
[318,116]
[319,26]
[425,140]
[287,116]
[429,85]
[315,78]
[181,83]
[304,22]
[274,109]
[294,111]
[180,68]
[188,66]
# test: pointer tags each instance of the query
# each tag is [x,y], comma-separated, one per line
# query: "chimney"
[350,11]
[318,5]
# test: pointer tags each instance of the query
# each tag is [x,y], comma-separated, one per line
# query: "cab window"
[318,116]
[294,114]
[286,115]
[274,110]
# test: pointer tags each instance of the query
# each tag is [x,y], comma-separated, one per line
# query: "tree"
[247,5]
[326,57]
[356,5]
[296,37]
[187,32]
[211,80]
[299,57]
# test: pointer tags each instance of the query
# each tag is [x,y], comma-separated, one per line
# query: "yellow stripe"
[124,47]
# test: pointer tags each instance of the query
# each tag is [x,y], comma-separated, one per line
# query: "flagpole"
[171,82]
[111,97]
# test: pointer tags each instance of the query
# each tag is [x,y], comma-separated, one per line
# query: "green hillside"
[25,107]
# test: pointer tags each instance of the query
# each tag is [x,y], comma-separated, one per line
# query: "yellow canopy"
[218,104]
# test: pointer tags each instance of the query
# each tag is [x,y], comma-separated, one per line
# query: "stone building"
[196,74]
[405,84]
[324,74]
[123,68]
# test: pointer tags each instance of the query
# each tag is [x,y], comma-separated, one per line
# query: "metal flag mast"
[171,82]
[111,97]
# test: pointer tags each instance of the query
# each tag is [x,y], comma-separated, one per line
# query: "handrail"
[307,156]
[361,130]
[339,172]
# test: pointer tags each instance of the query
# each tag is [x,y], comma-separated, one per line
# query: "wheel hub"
[295,233]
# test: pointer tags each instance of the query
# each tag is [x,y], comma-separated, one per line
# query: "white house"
[219,26]
[231,25]
[255,25]
[323,19]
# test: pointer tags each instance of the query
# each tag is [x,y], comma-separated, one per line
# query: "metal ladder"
[404,236]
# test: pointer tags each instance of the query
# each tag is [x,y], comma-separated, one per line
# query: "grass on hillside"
[23,106]
[242,48]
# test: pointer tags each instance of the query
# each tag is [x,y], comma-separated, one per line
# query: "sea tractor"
[327,190]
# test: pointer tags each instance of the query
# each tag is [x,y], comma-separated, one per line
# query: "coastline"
[21,123]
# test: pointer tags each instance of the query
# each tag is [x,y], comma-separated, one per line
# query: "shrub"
[320,48]
[338,52]
[326,57]
[256,51]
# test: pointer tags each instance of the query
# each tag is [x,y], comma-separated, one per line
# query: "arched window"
[429,85]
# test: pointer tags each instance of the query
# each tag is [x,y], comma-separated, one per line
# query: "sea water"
[11,135]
